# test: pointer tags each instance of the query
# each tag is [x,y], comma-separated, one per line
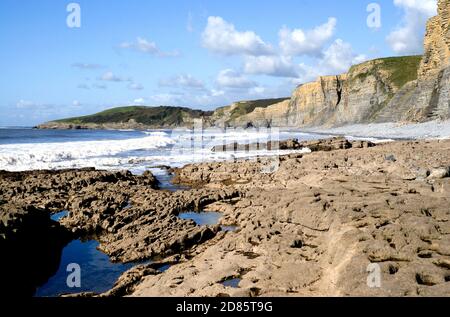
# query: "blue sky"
[200,54]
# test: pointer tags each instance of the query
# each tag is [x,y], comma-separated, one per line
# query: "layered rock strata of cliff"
[398,89]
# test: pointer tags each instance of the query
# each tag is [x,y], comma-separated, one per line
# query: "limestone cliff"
[405,89]
[360,95]
[236,113]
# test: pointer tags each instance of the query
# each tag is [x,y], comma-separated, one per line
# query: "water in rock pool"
[206,219]
[234,283]
[165,180]
[58,216]
[98,273]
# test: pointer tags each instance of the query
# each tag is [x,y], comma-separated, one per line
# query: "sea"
[24,149]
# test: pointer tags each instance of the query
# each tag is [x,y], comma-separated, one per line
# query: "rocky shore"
[311,227]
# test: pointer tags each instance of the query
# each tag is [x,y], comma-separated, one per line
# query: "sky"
[65,58]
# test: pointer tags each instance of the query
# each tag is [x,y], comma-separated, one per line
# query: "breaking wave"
[15,157]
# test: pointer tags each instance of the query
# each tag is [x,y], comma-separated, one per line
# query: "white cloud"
[76,103]
[298,42]
[339,57]
[229,78]
[278,66]
[110,76]
[217,93]
[145,46]
[87,66]
[31,105]
[139,101]
[257,91]
[182,81]
[407,38]
[221,37]
[427,7]
[336,59]
[135,86]
[23,104]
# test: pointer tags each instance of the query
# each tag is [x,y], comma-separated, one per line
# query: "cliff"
[361,95]
[397,89]
[236,113]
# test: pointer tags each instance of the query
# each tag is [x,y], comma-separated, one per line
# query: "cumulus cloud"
[407,38]
[336,59]
[147,47]
[339,57]
[221,37]
[310,42]
[277,66]
[182,81]
[428,7]
[229,78]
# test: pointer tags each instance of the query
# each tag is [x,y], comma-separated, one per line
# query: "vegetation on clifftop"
[151,116]
[401,69]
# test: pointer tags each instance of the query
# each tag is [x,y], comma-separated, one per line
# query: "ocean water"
[29,149]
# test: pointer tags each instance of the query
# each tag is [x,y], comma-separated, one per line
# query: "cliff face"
[437,42]
[432,96]
[402,89]
[238,113]
[361,95]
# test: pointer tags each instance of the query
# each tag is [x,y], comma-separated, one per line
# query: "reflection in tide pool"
[58,216]
[234,283]
[98,273]
[206,219]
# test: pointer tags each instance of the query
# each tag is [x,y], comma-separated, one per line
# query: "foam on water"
[132,151]
[16,157]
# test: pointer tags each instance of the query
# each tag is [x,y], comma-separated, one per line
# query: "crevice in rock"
[339,89]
